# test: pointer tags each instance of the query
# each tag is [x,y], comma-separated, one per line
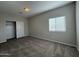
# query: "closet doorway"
[11,29]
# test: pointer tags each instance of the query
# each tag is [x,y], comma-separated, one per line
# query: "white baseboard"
[78,49]
[53,40]
[2,41]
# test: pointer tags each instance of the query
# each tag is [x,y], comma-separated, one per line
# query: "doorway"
[11,29]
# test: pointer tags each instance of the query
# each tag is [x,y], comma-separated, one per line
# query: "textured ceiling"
[17,7]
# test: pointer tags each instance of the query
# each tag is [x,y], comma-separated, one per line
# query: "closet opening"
[11,29]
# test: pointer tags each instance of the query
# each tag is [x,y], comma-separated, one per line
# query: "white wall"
[39,25]
[77,24]
[20,25]
[2,33]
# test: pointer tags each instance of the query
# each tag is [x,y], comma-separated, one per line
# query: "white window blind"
[57,24]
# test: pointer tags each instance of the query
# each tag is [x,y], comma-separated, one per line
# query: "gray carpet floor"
[34,47]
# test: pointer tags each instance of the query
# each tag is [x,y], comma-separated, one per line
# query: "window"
[57,24]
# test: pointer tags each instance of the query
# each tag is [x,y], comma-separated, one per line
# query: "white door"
[10,30]
[20,29]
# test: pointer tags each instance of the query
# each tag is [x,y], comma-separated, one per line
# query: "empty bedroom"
[39,29]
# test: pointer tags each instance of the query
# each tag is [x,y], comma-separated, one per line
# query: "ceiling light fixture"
[27,9]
